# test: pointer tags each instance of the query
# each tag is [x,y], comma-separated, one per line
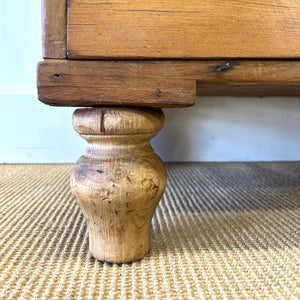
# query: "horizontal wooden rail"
[169,83]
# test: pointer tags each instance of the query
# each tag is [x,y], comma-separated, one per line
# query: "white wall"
[20,40]
[215,129]
[232,129]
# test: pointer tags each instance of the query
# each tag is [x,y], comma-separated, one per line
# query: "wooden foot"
[119,180]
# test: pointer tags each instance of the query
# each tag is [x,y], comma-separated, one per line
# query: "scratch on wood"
[161,11]
[102,128]
[158,93]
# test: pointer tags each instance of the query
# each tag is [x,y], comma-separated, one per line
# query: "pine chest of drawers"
[124,61]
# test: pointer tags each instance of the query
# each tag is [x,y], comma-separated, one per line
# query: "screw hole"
[57,75]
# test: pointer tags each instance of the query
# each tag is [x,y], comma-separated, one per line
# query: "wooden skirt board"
[161,83]
[183,29]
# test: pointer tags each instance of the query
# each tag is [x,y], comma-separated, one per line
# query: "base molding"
[169,83]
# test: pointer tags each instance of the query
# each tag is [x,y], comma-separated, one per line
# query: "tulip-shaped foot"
[119,180]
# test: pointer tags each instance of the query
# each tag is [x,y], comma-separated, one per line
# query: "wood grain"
[184,29]
[251,89]
[162,83]
[119,180]
[97,83]
[54,23]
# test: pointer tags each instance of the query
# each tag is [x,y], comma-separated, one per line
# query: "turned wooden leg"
[119,180]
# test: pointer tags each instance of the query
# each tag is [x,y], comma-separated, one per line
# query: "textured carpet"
[226,231]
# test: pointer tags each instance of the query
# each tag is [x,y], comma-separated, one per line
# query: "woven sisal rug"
[221,231]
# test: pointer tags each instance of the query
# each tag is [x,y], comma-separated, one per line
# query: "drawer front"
[183,29]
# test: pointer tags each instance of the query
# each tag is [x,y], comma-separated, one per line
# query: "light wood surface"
[162,83]
[54,23]
[119,180]
[97,83]
[184,29]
